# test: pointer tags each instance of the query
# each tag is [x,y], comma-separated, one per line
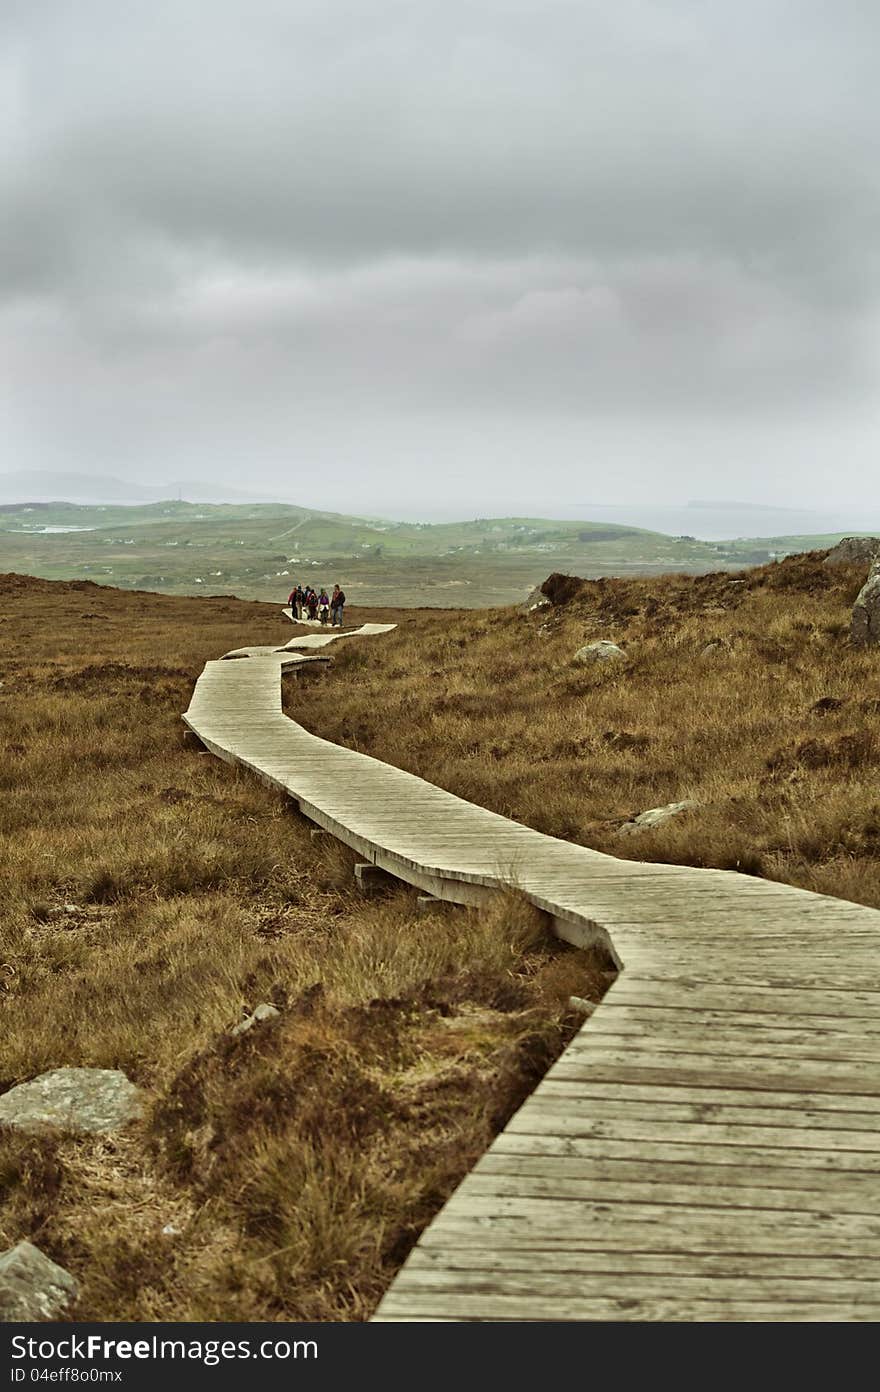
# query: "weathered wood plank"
[704,1193]
[544,1142]
[633,1284]
[574,1097]
[551,1117]
[641,1170]
[791,1105]
[749,1266]
[473,1307]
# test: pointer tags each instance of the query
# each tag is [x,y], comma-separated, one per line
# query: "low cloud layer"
[523,250]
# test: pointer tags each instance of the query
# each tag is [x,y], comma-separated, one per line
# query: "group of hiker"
[306,603]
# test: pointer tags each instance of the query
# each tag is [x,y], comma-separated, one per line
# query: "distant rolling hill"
[258,550]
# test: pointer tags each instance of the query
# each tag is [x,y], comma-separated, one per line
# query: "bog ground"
[151,896]
[150,899]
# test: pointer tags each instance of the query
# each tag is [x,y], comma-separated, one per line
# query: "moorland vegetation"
[741,693]
[150,897]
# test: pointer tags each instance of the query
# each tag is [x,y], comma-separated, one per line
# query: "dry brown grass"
[776,733]
[149,896]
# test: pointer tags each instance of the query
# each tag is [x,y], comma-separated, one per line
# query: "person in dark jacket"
[337,604]
[324,605]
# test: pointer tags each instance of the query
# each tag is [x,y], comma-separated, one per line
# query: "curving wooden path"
[708,1146]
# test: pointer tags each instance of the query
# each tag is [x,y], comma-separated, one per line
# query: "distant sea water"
[706,521]
[43,531]
[711,522]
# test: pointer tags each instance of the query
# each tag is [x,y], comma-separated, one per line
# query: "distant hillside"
[257,550]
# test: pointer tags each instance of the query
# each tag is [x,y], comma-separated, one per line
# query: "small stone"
[710,649]
[655,816]
[32,1286]
[74,1099]
[600,651]
[264,1011]
[583,1007]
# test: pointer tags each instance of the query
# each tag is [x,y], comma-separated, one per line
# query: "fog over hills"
[47,486]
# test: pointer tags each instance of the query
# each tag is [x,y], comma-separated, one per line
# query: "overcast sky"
[486,255]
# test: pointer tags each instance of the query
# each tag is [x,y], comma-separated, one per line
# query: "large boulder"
[74,1099]
[600,651]
[854,550]
[865,624]
[32,1286]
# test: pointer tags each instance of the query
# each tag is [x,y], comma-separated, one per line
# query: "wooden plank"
[792,1104]
[687,994]
[544,1142]
[783,1045]
[553,1118]
[779,1074]
[471,1307]
[571,1098]
[574,1261]
[649,1017]
[705,1193]
[524,1224]
[633,1284]
[639,1169]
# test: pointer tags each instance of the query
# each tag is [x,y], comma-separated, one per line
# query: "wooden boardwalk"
[708,1146]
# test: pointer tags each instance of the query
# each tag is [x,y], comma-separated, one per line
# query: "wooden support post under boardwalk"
[316,833]
[426,903]
[192,741]
[372,879]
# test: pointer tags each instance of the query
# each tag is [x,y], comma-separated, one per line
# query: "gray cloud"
[264,232]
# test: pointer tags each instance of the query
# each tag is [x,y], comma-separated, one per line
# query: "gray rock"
[583,1007]
[75,1099]
[865,623]
[264,1011]
[655,816]
[853,550]
[600,651]
[536,600]
[32,1286]
[710,650]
